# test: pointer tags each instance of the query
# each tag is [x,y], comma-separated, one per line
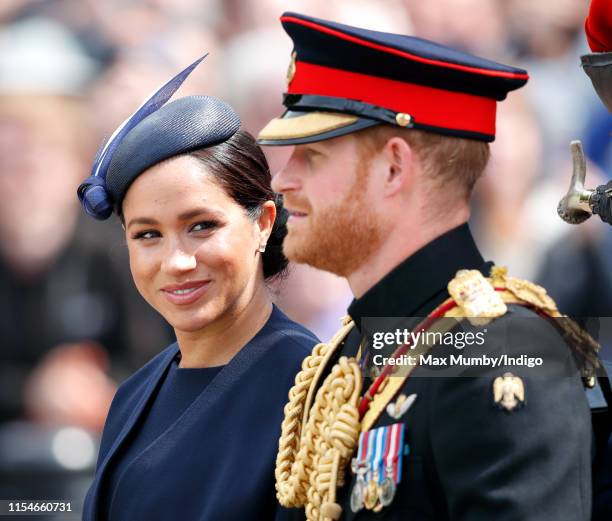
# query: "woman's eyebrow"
[185,216]
[190,214]
[142,220]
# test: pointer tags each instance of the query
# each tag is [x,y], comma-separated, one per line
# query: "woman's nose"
[178,260]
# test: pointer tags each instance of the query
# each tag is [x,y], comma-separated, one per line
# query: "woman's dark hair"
[240,167]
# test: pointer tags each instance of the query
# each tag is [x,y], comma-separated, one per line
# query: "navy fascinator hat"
[154,132]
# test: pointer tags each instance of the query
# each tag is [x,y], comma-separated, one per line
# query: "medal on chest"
[378,467]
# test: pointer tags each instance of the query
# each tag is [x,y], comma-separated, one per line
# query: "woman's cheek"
[142,266]
[218,255]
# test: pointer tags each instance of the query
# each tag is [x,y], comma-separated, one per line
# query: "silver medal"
[357,494]
[386,492]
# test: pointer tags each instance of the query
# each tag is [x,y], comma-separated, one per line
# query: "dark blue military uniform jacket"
[216,461]
[467,459]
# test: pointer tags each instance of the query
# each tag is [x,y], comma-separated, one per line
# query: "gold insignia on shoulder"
[498,276]
[399,407]
[476,297]
[523,290]
[532,294]
[292,68]
[509,392]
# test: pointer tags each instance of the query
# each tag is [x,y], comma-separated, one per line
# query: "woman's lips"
[182,294]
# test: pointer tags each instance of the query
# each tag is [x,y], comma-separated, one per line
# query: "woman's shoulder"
[142,376]
[282,345]
[290,333]
[130,393]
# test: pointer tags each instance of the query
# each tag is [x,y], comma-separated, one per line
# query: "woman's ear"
[265,222]
[399,165]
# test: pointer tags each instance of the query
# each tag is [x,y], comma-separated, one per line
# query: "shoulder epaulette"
[481,300]
[475,298]
[522,291]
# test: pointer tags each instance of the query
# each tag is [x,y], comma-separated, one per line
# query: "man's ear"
[265,221]
[399,165]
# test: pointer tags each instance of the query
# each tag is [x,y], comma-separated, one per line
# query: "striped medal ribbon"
[392,463]
[359,466]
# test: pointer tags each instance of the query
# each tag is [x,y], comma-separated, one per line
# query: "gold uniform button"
[402,119]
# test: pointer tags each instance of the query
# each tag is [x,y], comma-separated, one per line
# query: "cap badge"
[508,392]
[291,69]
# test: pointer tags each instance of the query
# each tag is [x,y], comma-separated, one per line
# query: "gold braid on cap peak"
[316,443]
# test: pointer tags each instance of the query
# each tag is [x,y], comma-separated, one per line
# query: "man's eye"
[203,226]
[146,234]
[314,152]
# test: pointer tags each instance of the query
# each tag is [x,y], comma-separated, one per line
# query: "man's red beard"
[340,238]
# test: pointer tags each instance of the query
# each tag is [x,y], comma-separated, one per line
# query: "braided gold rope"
[331,435]
[291,478]
[315,446]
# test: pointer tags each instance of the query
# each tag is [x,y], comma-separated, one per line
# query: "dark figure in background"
[587,293]
[580,202]
[61,300]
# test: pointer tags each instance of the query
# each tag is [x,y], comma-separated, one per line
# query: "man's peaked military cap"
[342,79]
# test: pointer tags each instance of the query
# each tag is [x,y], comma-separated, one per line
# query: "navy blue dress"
[199,444]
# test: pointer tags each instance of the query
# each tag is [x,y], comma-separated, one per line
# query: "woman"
[194,433]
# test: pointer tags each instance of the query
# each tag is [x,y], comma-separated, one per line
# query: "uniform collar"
[418,284]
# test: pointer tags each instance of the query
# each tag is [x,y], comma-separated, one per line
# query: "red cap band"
[598,26]
[427,105]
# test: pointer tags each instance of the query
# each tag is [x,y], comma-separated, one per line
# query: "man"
[390,135]
[578,204]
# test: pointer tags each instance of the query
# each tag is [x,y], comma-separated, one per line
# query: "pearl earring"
[262,248]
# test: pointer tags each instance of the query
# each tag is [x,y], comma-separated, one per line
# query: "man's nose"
[288,178]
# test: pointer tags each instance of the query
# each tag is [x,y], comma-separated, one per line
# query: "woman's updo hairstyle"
[240,167]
